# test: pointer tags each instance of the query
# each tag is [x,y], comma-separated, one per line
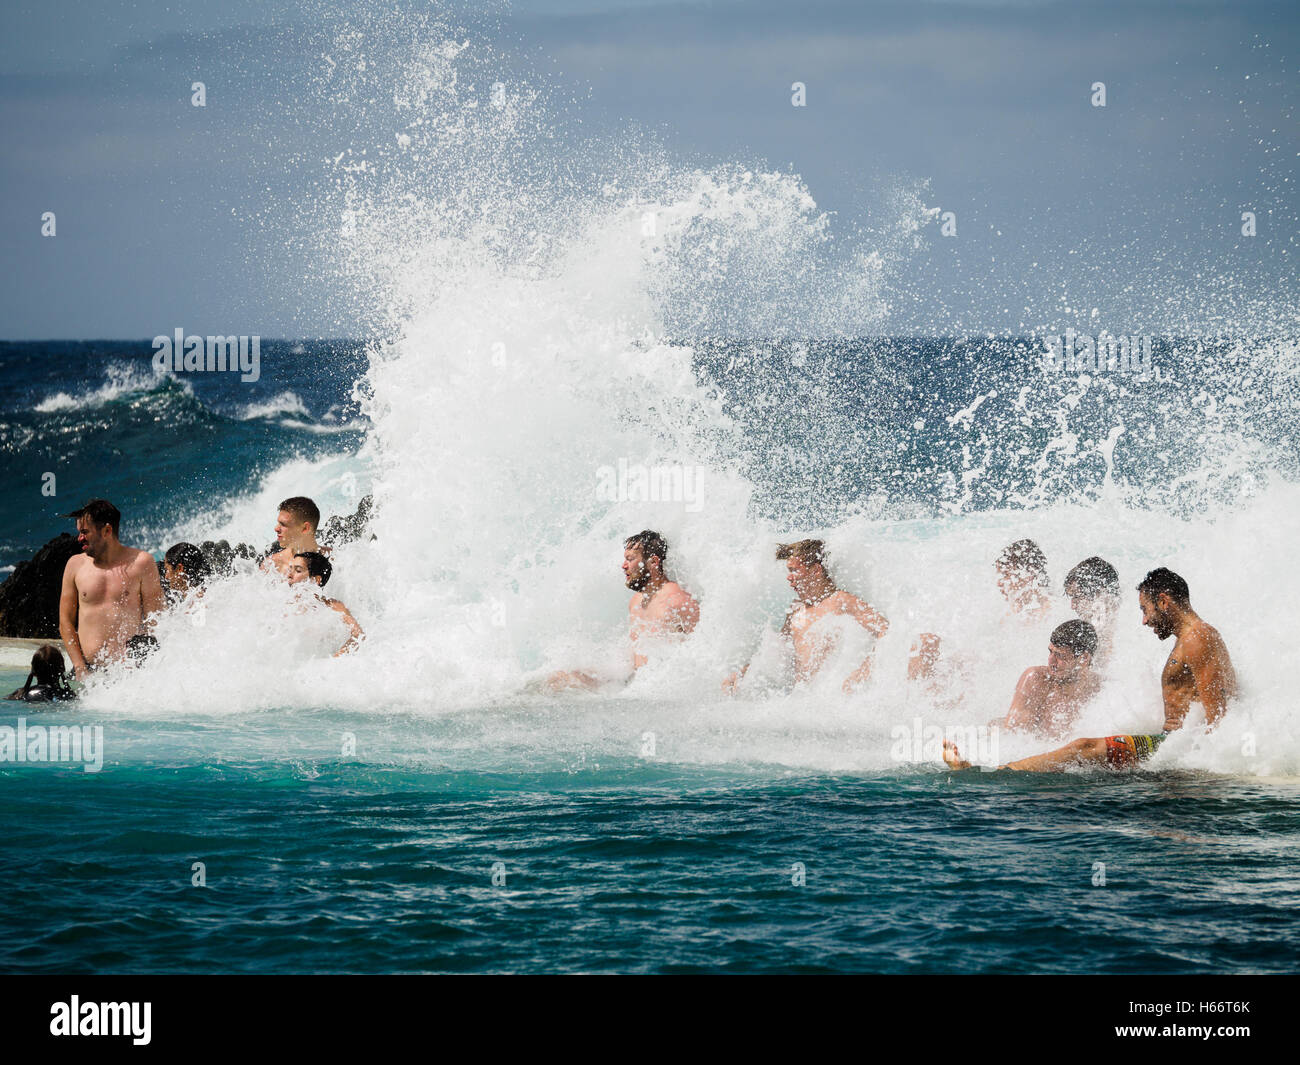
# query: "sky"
[1067,214]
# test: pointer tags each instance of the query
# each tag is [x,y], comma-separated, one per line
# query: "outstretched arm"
[356,635]
[875,623]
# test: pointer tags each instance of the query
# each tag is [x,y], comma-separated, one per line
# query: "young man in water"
[817,597]
[659,607]
[1021,569]
[1198,669]
[1023,580]
[1093,590]
[313,567]
[110,591]
[295,531]
[1048,698]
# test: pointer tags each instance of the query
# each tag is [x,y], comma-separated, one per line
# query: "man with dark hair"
[295,531]
[110,591]
[817,598]
[1048,698]
[315,568]
[660,608]
[185,569]
[1198,669]
[1093,589]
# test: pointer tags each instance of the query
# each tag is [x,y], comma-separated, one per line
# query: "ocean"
[262,808]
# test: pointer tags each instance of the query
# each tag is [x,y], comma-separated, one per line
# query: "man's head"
[296,521]
[805,566]
[1070,648]
[644,556]
[1163,596]
[184,567]
[97,525]
[1093,588]
[1021,566]
[310,566]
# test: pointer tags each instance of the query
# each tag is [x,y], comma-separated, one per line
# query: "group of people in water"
[112,594]
[1047,699]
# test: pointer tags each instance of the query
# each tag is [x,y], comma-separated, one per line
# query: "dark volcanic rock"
[344,530]
[29,599]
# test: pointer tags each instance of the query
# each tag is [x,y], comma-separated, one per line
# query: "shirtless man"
[295,531]
[314,567]
[1021,569]
[110,591]
[1198,669]
[817,597]
[1093,590]
[1048,698]
[659,606]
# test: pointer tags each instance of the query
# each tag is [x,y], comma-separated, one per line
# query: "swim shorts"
[1127,751]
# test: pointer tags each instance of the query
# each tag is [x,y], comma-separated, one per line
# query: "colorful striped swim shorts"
[1127,751]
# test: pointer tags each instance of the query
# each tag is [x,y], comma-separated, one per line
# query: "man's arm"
[68,616]
[1208,661]
[875,623]
[356,635]
[152,600]
[1023,713]
[685,613]
[732,682]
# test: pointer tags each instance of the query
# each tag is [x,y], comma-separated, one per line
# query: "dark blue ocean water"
[383,860]
[315,863]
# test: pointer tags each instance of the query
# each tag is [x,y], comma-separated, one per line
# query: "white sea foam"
[120,380]
[524,363]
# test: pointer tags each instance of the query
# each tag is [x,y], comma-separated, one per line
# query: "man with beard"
[1198,669]
[109,591]
[659,608]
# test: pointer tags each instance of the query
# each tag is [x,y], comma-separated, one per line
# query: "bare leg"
[1077,752]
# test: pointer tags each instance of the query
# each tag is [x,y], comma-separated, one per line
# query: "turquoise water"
[383,860]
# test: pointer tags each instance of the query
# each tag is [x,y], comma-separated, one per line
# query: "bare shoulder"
[1201,640]
[142,561]
[75,565]
[677,594]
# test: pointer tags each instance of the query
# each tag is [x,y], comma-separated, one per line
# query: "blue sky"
[167,214]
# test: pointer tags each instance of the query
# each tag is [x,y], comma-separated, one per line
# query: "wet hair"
[1092,578]
[300,508]
[317,565]
[1076,636]
[809,552]
[100,512]
[1166,581]
[650,543]
[1025,556]
[196,566]
[49,671]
